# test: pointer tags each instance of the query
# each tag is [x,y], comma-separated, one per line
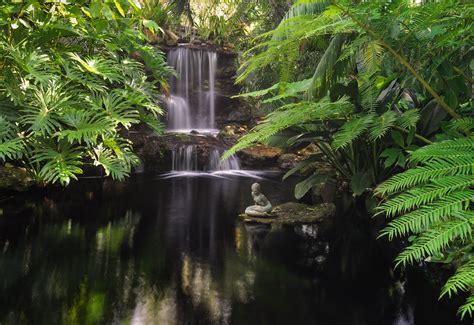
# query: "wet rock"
[260,156]
[293,213]
[171,39]
[230,134]
[155,151]
[15,179]
[288,161]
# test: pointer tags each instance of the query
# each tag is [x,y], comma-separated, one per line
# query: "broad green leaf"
[119,8]
[360,182]
[398,138]
[303,187]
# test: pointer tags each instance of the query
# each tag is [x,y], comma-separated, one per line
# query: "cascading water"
[185,159]
[216,164]
[192,106]
[192,103]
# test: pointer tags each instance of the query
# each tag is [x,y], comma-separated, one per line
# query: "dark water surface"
[171,251]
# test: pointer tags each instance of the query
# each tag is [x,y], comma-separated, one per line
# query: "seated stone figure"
[262,206]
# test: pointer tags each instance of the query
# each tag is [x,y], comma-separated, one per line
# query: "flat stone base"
[293,213]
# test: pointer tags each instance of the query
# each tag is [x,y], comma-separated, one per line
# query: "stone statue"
[262,206]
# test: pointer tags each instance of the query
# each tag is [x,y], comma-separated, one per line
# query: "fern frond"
[290,115]
[371,56]
[460,147]
[463,124]
[351,130]
[434,240]
[420,196]
[382,124]
[467,308]
[419,219]
[462,280]
[408,119]
[420,175]
[324,73]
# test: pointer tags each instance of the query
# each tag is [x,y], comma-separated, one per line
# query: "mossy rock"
[14,179]
[293,213]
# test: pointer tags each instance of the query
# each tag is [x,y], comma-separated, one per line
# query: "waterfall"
[178,113]
[192,106]
[185,159]
[216,164]
[193,91]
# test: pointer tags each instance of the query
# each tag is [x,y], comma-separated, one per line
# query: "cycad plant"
[72,77]
[432,203]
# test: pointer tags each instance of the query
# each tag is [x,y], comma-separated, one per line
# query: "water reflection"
[171,252]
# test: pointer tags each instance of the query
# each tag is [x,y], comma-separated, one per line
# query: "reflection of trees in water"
[173,253]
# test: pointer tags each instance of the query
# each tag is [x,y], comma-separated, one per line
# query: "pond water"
[171,251]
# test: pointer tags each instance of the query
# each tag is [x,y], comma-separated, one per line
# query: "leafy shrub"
[72,76]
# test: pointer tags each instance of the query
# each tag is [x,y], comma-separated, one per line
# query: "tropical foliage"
[229,22]
[434,201]
[372,84]
[367,54]
[72,77]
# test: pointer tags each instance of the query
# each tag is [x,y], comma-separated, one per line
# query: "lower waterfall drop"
[216,164]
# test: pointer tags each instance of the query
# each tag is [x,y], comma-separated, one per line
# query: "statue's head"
[256,188]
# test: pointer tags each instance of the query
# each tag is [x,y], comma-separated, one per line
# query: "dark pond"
[170,251]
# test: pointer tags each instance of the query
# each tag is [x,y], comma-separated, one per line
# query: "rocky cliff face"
[229,110]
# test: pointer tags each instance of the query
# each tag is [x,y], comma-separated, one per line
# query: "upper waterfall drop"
[192,103]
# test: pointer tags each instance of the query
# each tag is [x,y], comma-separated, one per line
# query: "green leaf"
[360,182]
[151,25]
[398,138]
[303,187]
[95,8]
[119,8]
[301,165]
[391,154]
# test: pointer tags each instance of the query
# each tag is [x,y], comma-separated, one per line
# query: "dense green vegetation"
[383,89]
[72,76]
[371,84]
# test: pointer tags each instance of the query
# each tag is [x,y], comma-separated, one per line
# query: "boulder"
[259,156]
[15,179]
